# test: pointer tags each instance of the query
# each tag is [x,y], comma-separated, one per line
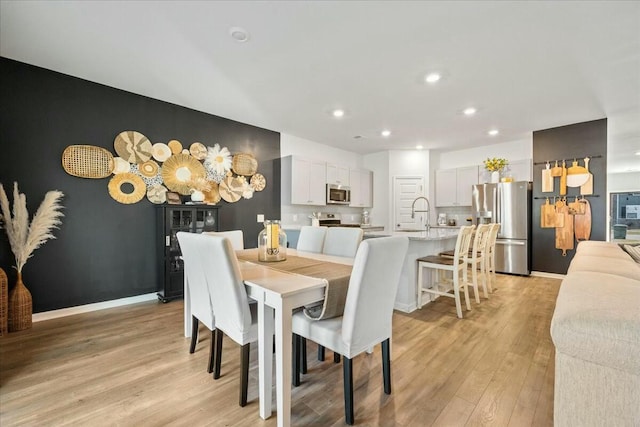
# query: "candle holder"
[272,242]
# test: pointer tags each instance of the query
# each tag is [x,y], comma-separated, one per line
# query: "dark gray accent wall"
[105,250]
[568,142]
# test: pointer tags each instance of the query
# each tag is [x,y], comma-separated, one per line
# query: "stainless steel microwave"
[338,194]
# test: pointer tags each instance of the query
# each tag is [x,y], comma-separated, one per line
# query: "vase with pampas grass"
[24,238]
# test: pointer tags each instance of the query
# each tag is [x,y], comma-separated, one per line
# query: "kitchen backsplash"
[459,213]
[299,215]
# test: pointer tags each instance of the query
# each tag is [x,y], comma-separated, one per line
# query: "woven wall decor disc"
[212,196]
[148,168]
[231,189]
[133,146]
[198,150]
[161,151]
[258,182]
[175,146]
[244,164]
[115,188]
[157,194]
[87,161]
[120,165]
[179,169]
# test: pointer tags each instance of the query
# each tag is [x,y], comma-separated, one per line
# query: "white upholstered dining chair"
[311,239]
[455,265]
[367,314]
[215,258]
[236,237]
[491,255]
[199,300]
[342,241]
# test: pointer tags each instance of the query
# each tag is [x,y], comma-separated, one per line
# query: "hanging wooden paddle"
[547,180]
[556,170]
[576,175]
[547,215]
[583,222]
[587,188]
[564,235]
[563,179]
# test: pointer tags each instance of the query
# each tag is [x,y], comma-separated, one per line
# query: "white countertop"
[298,227]
[434,234]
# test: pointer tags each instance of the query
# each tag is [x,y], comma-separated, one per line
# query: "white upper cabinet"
[361,184]
[454,186]
[337,174]
[521,170]
[303,181]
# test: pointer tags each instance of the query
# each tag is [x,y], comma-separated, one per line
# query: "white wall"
[512,150]
[379,164]
[627,181]
[293,146]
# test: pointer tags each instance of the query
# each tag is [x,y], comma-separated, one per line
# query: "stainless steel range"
[332,220]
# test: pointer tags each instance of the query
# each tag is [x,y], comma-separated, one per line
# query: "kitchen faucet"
[413,211]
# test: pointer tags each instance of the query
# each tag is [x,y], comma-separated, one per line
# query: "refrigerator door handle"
[510,242]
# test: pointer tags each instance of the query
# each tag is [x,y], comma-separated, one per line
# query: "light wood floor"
[130,366]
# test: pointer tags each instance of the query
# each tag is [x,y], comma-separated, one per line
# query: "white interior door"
[405,191]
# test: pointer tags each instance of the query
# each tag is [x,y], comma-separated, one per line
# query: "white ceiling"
[524,65]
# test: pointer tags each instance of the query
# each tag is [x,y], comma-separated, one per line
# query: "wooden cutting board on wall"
[564,235]
[547,215]
[583,222]
[547,180]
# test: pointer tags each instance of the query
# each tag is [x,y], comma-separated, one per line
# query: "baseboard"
[548,275]
[54,314]
[405,308]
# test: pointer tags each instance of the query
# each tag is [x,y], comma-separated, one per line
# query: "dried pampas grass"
[25,238]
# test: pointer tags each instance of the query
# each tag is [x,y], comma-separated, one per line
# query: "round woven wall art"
[198,150]
[258,182]
[244,164]
[179,169]
[157,194]
[115,188]
[133,146]
[161,151]
[120,165]
[231,189]
[148,168]
[212,196]
[87,161]
[175,146]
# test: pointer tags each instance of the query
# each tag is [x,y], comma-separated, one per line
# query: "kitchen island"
[421,244]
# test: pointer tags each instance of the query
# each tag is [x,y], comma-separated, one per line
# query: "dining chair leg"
[216,369]
[194,334]
[303,355]
[475,282]
[336,358]
[212,350]
[321,353]
[386,366]
[295,361]
[244,374]
[456,292]
[347,371]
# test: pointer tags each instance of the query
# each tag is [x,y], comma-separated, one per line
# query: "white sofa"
[596,333]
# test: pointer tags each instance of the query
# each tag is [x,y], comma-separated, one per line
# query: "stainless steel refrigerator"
[508,203]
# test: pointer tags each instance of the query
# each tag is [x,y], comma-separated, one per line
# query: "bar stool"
[455,265]
[491,256]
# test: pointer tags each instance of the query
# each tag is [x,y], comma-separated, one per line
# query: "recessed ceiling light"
[385,133]
[432,77]
[637,153]
[493,132]
[469,111]
[239,34]
[338,113]
[419,147]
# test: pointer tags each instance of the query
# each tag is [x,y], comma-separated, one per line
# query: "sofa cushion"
[615,266]
[633,251]
[597,318]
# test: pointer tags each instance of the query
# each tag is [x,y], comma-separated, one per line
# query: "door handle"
[507,242]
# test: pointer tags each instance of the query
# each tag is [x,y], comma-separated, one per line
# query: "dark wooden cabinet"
[172,219]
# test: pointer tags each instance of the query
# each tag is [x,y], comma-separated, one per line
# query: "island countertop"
[433,234]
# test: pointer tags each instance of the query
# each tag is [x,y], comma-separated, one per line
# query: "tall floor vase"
[20,307]
[4,303]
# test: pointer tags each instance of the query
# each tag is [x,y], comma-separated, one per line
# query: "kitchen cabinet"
[170,220]
[337,174]
[361,188]
[521,170]
[454,186]
[303,181]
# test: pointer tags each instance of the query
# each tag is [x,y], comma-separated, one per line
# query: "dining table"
[279,290]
